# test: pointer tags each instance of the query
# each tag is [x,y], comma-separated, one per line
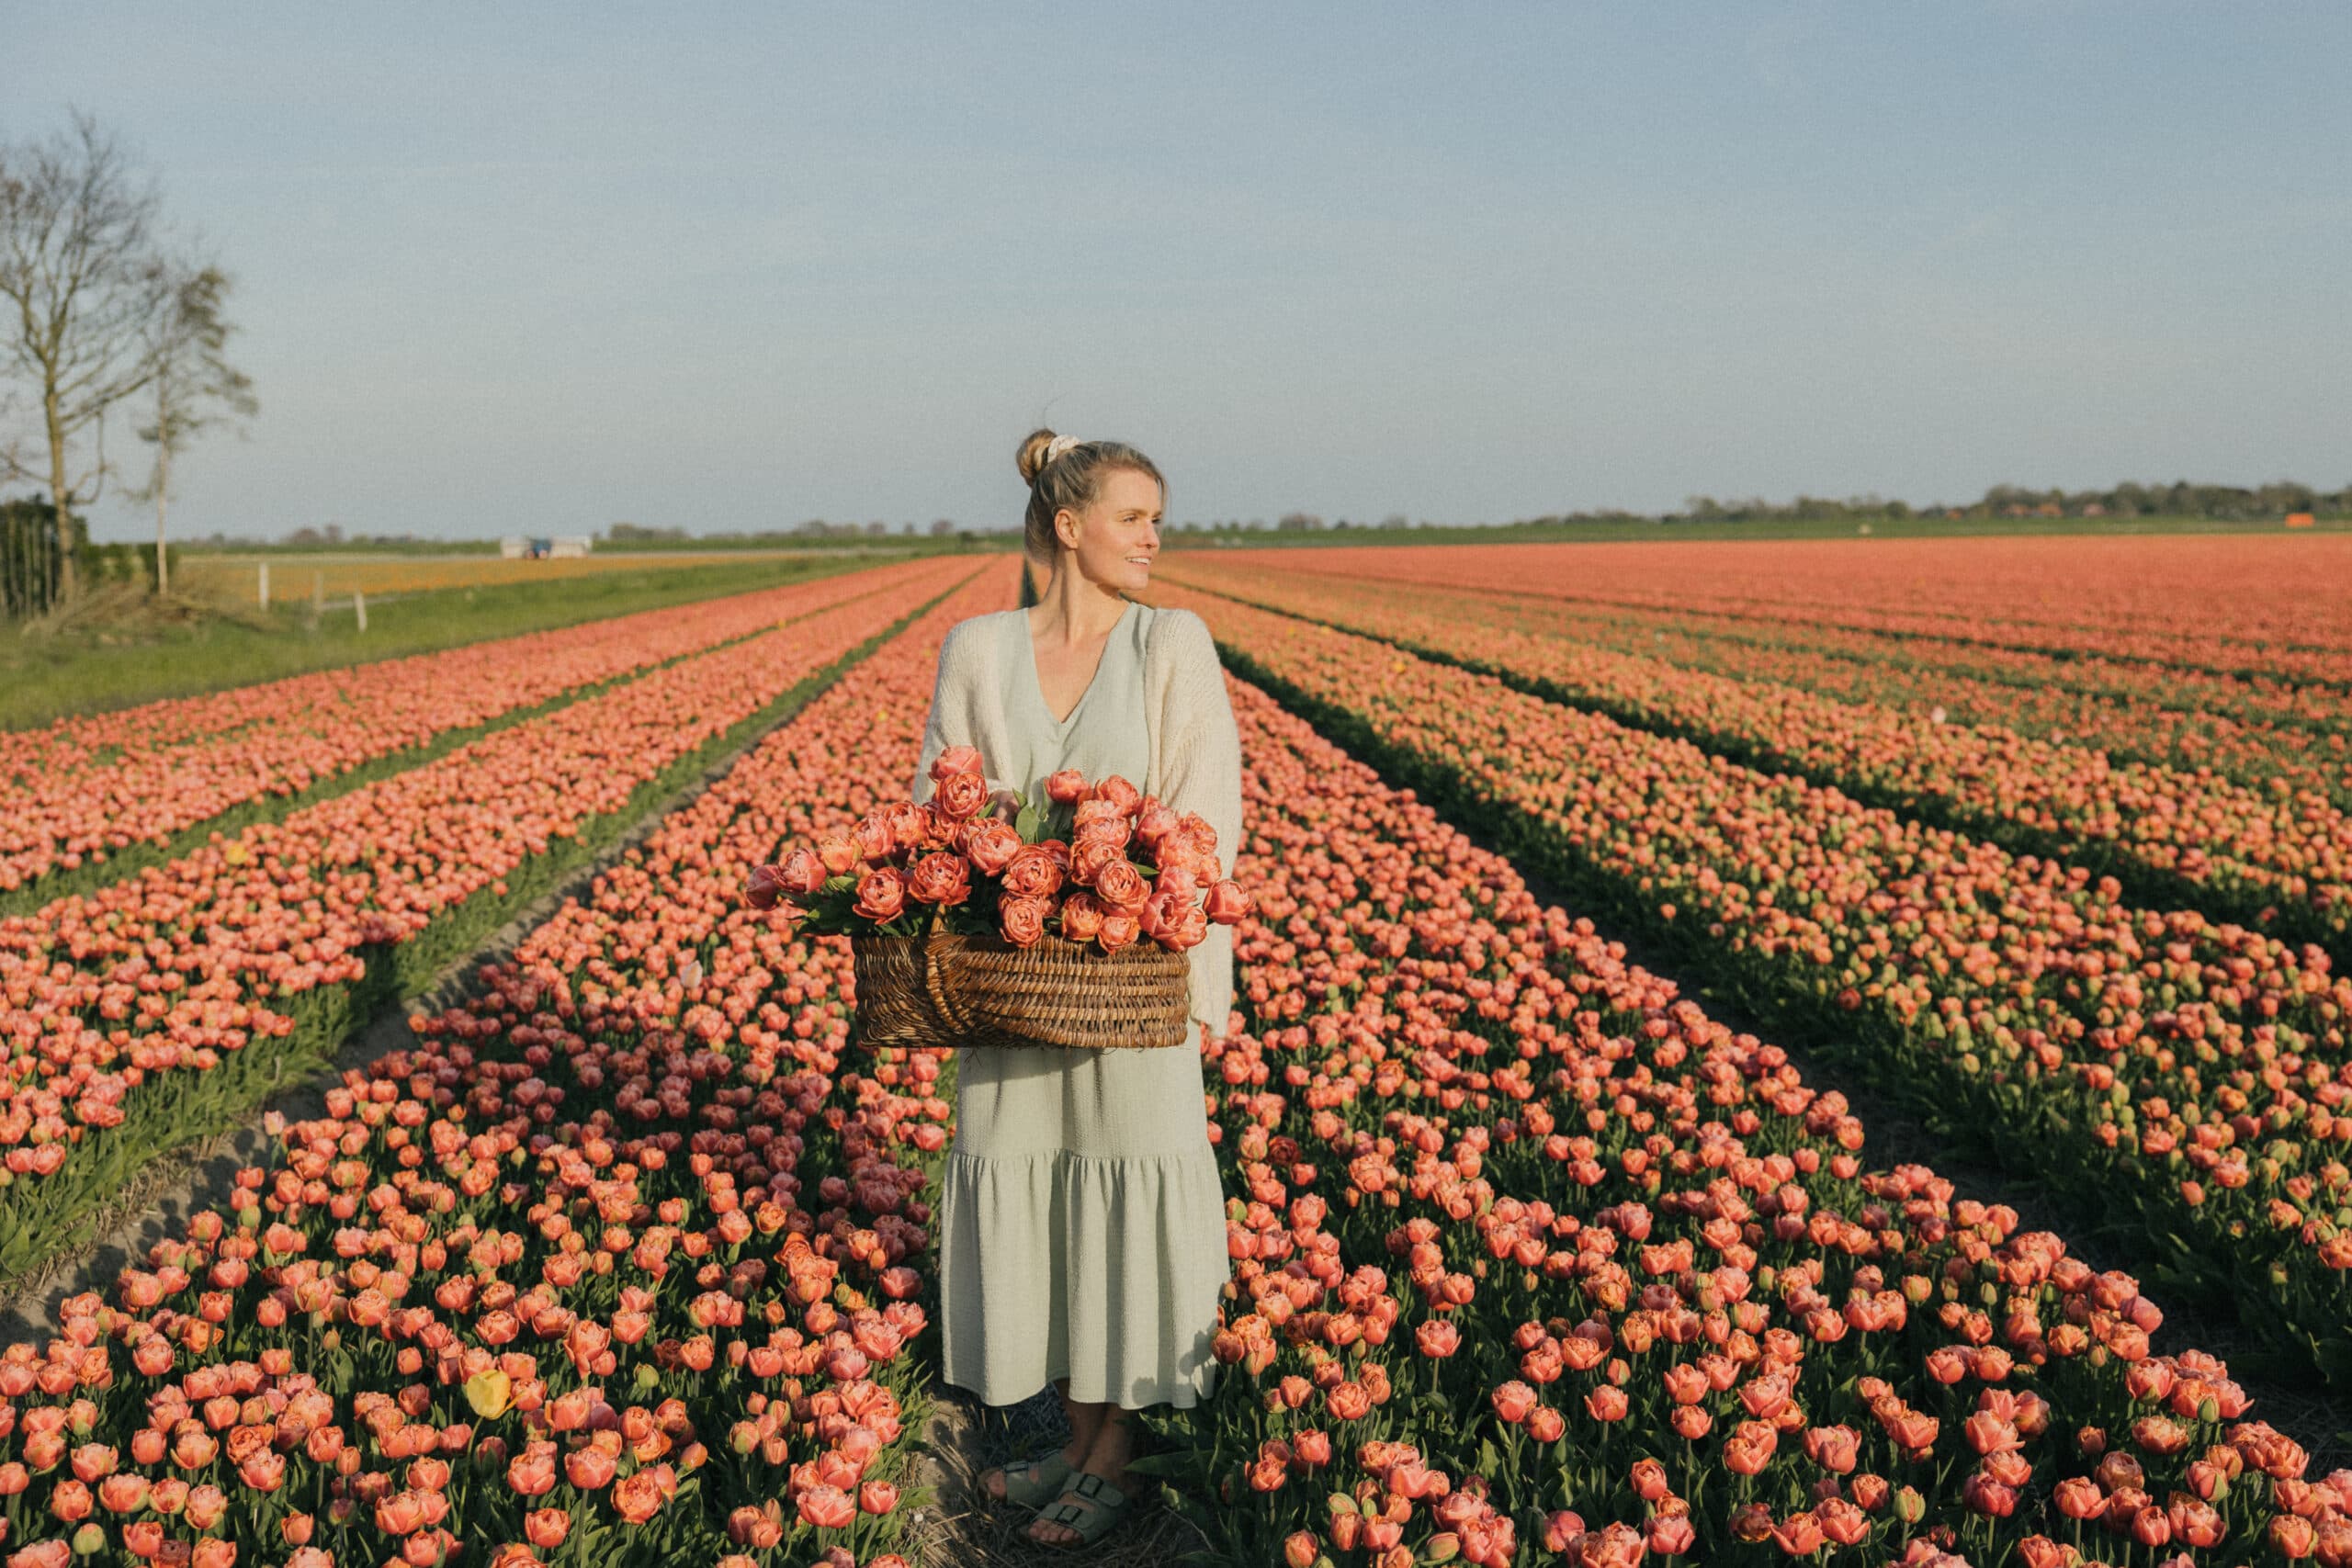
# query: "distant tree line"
[816,530]
[2221,503]
[329,537]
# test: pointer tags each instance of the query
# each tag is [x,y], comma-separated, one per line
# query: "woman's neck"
[1077,611]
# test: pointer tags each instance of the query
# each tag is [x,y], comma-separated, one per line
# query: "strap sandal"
[1033,1483]
[1091,1507]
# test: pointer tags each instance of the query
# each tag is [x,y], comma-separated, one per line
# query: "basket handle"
[935,945]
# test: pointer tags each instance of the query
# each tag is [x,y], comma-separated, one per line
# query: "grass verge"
[79,671]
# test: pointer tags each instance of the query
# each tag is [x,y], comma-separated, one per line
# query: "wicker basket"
[949,990]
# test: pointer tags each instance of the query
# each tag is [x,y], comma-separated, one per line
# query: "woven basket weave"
[948,990]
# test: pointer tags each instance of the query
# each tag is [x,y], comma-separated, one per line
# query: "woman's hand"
[1005,801]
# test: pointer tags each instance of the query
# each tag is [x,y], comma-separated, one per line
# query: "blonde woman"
[1082,1225]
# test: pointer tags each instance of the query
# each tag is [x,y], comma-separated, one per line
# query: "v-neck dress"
[1082,1220]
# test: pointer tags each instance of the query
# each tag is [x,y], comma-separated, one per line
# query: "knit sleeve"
[950,711]
[1200,747]
[958,694]
[1200,771]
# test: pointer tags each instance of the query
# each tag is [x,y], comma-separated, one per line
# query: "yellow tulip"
[489,1393]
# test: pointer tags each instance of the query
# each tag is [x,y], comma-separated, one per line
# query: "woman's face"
[1117,536]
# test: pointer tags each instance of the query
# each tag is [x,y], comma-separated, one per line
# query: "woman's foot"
[1107,1457]
[1031,1482]
[1085,1422]
[1088,1510]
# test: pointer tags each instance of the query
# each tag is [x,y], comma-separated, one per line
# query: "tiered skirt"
[1082,1227]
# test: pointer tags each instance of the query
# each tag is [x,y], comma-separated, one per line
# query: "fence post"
[264,585]
[359,602]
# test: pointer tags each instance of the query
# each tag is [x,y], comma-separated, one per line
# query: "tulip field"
[2136,1044]
[1542,1263]
[628,1258]
[151,1009]
[83,790]
[2096,692]
[2263,609]
[2270,855]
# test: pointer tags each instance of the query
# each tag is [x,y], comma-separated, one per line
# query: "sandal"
[1031,1482]
[1091,1507]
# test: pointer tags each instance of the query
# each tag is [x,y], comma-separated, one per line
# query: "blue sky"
[734,266]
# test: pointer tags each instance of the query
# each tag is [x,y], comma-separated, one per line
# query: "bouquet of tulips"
[1097,864]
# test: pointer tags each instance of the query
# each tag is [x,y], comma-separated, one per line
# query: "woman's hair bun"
[1031,456]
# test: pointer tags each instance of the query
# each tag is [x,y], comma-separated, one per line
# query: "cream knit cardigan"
[1195,749]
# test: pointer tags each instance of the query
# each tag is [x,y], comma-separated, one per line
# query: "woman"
[1081,1222]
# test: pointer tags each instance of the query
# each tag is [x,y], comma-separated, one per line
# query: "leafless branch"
[82,263]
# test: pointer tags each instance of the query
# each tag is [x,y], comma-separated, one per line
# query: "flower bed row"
[2253,728]
[2186,1078]
[153,1010]
[623,1263]
[2272,858]
[85,790]
[1536,1262]
[2273,605]
[2271,707]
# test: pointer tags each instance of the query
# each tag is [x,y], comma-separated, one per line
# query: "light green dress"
[1081,1219]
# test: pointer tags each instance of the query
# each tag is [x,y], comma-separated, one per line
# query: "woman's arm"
[1200,771]
[946,725]
[952,721]
[1200,748]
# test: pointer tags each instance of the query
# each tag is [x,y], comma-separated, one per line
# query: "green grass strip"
[94,670]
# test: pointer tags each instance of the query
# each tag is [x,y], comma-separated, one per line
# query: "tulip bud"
[1909,1506]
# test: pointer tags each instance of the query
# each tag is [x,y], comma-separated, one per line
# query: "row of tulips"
[2188,1078]
[2279,605]
[154,1009]
[2251,697]
[622,1263]
[2271,707]
[85,789]
[1536,1262]
[2251,728]
[2271,857]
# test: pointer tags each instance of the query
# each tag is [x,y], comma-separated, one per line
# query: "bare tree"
[194,388]
[79,263]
